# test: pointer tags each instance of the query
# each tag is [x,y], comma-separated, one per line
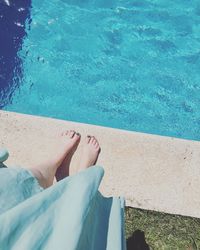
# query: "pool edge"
[151,171]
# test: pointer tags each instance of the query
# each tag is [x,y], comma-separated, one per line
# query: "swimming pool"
[133,65]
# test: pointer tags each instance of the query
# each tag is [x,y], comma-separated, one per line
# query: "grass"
[159,231]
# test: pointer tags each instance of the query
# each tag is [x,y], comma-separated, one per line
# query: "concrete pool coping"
[152,172]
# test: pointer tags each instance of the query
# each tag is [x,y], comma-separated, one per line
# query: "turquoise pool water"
[133,65]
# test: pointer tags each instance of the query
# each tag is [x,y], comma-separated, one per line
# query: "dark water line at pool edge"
[120,128]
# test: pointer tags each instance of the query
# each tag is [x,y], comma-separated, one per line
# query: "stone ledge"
[151,172]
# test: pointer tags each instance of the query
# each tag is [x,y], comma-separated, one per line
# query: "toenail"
[78,134]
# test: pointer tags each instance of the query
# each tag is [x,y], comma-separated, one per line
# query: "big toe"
[87,139]
[76,137]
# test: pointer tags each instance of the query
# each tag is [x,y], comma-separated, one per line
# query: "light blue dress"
[70,215]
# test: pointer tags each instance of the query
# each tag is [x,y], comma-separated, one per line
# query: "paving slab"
[152,172]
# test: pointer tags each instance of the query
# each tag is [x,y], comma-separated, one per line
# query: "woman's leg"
[59,165]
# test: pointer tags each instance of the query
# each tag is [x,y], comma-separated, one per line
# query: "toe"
[88,138]
[71,133]
[92,140]
[67,132]
[95,142]
[77,136]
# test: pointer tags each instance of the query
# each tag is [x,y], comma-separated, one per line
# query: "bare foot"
[91,150]
[59,164]
[71,140]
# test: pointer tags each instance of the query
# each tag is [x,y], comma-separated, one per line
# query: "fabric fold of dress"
[70,215]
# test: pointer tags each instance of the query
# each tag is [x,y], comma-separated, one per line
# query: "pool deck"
[151,172]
